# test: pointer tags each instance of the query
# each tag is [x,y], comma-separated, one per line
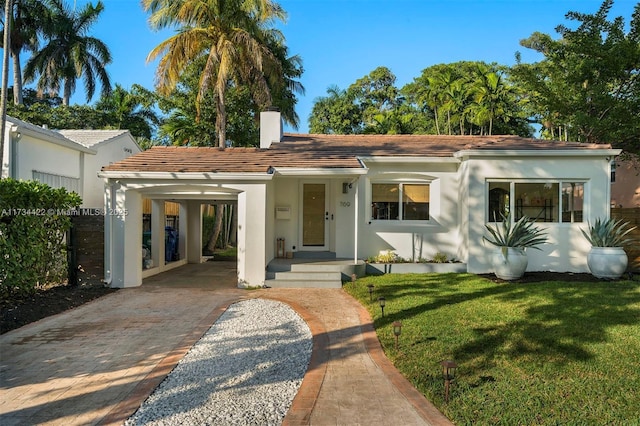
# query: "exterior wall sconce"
[382,302]
[345,187]
[370,287]
[397,330]
[449,369]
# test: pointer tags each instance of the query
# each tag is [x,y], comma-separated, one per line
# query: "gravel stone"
[245,370]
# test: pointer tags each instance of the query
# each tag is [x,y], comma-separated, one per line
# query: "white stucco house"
[353,196]
[67,159]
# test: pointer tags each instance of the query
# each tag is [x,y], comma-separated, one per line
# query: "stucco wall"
[625,191]
[414,240]
[107,153]
[566,249]
[35,154]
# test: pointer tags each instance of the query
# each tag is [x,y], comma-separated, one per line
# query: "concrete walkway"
[97,363]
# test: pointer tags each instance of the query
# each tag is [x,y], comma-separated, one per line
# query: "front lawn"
[528,353]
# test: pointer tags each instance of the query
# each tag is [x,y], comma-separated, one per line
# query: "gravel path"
[245,370]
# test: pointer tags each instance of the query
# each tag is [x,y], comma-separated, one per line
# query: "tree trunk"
[221,120]
[217,227]
[17,79]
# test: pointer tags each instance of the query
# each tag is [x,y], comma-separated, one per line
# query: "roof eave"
[304,171]
[213,176]
[407,159]
[605,152]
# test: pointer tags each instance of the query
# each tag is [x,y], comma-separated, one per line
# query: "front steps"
[311,272]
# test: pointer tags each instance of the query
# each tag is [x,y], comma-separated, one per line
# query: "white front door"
[315,216]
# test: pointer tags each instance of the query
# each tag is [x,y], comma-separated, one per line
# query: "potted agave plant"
[607,258]
[509,260]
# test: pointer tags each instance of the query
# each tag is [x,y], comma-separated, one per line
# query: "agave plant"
[608,233]
[521,234]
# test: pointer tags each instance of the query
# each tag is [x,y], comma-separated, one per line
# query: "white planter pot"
[511,266]
[607,262]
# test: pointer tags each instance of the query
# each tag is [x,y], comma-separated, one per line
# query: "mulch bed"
[17,311]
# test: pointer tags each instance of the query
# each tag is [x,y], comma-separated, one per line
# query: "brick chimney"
[270,127]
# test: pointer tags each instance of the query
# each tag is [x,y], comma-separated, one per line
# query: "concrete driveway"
[96,364]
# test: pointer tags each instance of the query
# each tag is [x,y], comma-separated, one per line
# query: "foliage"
[385,256]
[587,86]
[27,20]
[131,110]
[608,233]
[519,234]
[469,97]
[440,258]
[237,43]
[534,353]
[32,228]
[69,53]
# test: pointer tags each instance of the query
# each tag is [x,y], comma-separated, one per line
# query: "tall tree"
[588,80]
[131,110]
[69,53]
[235,38]
[336,113]
[26,18]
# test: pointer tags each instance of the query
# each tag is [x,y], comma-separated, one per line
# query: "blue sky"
[342,40]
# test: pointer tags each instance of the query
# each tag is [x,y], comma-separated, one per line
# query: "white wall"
[566,249]
[413,240]
[108,152]
[36,154]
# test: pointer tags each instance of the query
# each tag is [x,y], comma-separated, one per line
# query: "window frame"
[512,197]
[400,183]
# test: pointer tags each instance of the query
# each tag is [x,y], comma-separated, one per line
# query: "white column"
[251,236]
[183,226]
[132,249]
[125,235]
[194,231]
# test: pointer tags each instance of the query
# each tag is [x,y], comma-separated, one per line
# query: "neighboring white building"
[67,159]
[356,195]
[110,146]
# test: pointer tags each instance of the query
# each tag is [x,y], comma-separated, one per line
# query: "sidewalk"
[97,363]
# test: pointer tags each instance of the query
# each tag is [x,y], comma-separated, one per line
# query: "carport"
[124,194]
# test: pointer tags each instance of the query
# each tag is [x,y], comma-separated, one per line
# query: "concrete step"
[314,255]
[309,275]
[292,283]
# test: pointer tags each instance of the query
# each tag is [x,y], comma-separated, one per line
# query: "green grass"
[533,353]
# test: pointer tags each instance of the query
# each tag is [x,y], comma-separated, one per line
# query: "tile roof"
[323,152]
[89,138]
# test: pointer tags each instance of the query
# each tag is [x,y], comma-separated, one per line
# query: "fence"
[631,215]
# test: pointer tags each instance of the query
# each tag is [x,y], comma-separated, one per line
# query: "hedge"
[33,221]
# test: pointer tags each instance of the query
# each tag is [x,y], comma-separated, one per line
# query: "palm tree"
[131,110]
[26,24]
[490,95]
[234,37]
[69,53]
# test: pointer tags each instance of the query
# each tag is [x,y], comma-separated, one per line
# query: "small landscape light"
[382,301]
[449,374]
[353,278]
[397,330]
[370,287]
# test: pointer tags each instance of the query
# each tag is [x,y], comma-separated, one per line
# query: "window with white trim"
[400,201]
[550,201]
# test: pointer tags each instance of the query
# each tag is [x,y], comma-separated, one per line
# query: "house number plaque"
[345,203]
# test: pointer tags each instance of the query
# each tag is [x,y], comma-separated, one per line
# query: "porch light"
[449,369]
[397,330]
[370,287]
[382,301]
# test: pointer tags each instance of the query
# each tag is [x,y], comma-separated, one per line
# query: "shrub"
[608,233]
[33,221]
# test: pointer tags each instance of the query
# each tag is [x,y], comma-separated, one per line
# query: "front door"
[315,216]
